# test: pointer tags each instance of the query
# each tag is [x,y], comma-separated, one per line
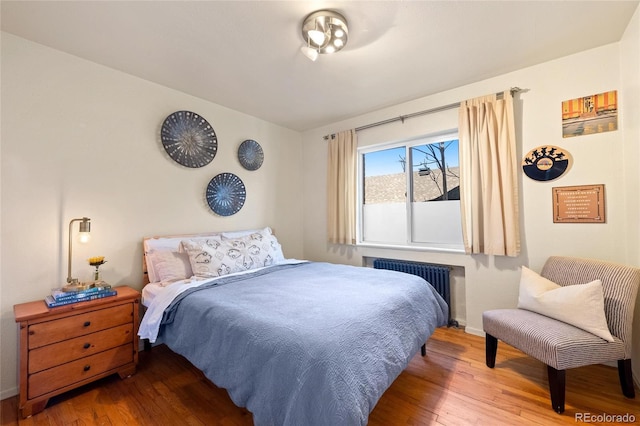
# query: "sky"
[388,161]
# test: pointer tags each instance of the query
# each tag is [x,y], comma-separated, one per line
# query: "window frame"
[408,143]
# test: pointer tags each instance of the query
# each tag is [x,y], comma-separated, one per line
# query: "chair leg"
[423,350]
[556,388]
[491,348]
[626,378]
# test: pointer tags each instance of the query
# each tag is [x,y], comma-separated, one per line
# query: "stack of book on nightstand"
[60,297]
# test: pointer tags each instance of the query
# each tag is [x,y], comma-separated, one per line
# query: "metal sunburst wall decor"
[250,154]
[189,139]
[226,194]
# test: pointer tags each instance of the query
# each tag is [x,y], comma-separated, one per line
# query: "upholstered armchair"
[562,346]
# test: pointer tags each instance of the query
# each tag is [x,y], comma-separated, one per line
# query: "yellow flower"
[96,261]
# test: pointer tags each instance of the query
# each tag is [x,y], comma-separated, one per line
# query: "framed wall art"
[590,114]
[579,204]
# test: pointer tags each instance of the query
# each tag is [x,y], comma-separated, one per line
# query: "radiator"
[436,275]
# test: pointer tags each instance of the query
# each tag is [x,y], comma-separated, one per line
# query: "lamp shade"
[84,234]
[309,52]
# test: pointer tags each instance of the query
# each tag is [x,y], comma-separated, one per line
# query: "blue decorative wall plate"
[189,139]
[250,154]
[226,194]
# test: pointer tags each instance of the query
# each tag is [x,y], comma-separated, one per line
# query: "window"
[425,168]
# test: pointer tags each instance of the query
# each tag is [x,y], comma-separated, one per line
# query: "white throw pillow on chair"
[581,305]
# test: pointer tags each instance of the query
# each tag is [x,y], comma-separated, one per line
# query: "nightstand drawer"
[79,347]
[58,330]
[67,374]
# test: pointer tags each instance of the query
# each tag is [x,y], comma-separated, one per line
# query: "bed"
[295,342]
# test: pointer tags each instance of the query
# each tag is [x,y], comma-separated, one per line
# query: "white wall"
[492,282]
[80,139]
[630,76]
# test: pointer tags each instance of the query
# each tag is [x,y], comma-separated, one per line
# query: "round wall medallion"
[250,154]
[226,194]
[189,139]
[546,162]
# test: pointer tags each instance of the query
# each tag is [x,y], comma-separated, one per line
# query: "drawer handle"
[87,345]
[87,367]
[87,323]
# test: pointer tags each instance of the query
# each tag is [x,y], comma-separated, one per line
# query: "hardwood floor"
[450,386]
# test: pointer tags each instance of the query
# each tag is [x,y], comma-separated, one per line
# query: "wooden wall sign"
[579,204]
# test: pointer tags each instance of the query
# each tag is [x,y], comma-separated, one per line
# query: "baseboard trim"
[474,331]
[9,393]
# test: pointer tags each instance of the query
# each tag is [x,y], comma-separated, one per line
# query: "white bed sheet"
[150,291]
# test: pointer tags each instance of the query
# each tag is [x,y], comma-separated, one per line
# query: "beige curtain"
[488,176]
[341,188]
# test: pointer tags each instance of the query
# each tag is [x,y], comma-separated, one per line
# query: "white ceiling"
[245,54]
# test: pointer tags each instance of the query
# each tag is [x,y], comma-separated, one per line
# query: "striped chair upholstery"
[562,346]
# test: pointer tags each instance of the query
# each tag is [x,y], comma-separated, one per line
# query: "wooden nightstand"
[69,346]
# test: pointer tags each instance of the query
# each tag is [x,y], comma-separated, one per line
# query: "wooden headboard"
[145,272]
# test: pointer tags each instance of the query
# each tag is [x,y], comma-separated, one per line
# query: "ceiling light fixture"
[323,31]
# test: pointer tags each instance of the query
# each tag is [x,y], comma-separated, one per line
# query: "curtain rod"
[415,114]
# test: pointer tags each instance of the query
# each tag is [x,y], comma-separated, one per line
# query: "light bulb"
[338,43]
[84,237]
[317,36]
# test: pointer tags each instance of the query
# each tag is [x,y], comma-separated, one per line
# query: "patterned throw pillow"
[218,256]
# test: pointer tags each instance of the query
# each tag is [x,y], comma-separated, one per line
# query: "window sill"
[456,250]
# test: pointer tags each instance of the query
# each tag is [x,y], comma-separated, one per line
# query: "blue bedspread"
[306,344]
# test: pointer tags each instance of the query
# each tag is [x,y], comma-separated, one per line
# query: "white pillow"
[264,233]
[153,246]
[170,266]
[581,305]
[218,256]
[242,233]
[265,236]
